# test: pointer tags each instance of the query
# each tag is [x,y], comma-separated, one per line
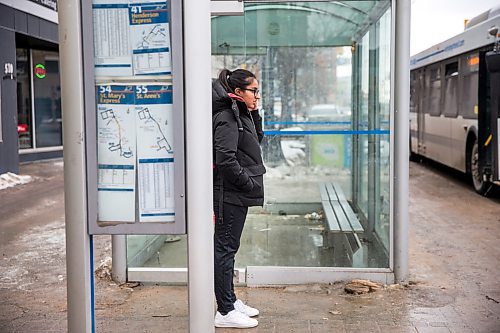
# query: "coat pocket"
[255,170]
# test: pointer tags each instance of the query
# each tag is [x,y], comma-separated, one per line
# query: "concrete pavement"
[454,271]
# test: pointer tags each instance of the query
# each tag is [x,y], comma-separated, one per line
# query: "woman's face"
[250,94]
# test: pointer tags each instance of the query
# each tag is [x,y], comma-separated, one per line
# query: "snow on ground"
[10,179]
[43,251]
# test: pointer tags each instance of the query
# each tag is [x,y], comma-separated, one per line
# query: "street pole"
[198,120]
[78,245]
[401,137]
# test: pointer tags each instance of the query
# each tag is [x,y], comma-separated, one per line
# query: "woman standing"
[238,183]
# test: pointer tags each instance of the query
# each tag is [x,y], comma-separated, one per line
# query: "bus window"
[413,92]
[450,105]
[451,69]
[469,65]
[433,94]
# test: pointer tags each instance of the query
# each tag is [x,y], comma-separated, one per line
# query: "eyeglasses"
[255,91]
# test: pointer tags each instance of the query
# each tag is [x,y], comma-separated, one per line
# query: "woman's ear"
[237,91]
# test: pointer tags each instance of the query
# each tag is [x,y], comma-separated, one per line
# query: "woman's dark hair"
[240,78]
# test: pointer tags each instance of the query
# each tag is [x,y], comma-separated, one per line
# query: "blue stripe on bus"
[448,48]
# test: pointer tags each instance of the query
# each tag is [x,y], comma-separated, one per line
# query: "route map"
[150,36]
[116,152]
[155,154]
[155,37]
[131,38]
[117,145]
[161,141]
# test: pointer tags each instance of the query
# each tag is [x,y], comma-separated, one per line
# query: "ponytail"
[224,78]
[240,78]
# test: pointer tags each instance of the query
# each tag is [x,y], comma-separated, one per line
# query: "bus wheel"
[481,186]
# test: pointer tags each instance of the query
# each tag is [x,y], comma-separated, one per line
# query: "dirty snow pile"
[103,271]
[10,179]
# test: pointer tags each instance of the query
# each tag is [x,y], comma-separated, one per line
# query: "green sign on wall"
[40,71]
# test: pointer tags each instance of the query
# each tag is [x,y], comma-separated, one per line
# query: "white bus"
[454,104]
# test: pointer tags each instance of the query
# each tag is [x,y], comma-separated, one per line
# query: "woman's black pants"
[226,243]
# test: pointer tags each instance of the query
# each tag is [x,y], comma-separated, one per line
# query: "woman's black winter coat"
[238,166]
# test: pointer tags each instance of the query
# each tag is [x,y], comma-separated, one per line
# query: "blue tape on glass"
[307,123]
[364,123]
[344,132]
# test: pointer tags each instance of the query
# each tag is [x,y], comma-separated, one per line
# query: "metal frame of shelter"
[197,50]
[234,37]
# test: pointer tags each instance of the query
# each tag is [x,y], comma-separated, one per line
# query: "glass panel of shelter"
[326,110]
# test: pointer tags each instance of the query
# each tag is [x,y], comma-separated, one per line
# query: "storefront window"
[39,121]
[47,98]
[24,119]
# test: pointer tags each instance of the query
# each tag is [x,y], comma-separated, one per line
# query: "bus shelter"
[334,85]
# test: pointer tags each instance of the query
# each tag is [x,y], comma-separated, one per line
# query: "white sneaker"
[243,308]
[234,319]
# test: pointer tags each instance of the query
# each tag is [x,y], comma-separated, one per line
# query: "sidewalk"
[454,271]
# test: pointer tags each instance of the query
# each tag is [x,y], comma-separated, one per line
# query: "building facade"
[30,114]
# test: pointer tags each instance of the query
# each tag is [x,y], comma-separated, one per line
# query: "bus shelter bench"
[342,226]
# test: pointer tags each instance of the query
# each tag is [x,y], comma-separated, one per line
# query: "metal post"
[198,104]
[119,256]
[356,109]
[401,137]
[78,246]
[373,123]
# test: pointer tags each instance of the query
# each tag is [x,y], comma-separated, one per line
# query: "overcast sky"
[434,21]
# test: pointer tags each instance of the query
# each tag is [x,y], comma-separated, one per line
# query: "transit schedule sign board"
[134,116]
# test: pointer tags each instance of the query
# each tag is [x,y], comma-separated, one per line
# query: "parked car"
[329,113]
